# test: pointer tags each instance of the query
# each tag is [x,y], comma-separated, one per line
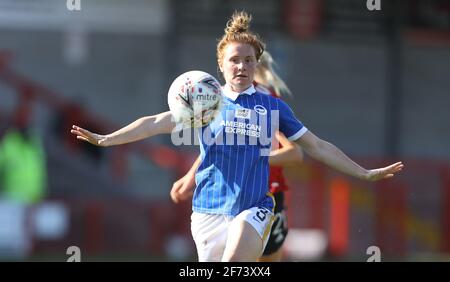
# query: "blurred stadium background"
[375,83]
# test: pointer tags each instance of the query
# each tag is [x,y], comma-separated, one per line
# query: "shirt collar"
[227,92]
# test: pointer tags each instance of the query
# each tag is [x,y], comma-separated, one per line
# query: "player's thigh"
[247,235]
[243,243]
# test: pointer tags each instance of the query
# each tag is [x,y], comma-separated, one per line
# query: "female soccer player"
[232,207]
[266,81]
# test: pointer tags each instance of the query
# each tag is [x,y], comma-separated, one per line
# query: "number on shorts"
[261,214]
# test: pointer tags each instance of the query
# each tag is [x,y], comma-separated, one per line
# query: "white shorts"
[210,231]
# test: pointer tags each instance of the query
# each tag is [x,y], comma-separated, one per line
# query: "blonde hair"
[266,75]
[237,30]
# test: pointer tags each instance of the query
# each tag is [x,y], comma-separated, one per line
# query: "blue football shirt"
[234,150]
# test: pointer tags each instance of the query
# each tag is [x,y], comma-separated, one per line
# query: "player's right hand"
[93,138]
[182,189]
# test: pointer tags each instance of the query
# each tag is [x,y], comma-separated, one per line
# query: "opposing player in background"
[232,207]
[288,153]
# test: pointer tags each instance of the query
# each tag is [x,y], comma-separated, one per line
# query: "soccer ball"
[195,98]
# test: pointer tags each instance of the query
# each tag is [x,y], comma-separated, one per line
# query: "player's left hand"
[385,172]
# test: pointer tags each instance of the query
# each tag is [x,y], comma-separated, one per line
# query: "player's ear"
[220,66]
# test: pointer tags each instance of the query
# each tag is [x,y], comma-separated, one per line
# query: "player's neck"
[236,88]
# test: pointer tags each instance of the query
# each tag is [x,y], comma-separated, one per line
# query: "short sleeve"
[289,125]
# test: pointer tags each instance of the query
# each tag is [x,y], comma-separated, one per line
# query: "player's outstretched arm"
[335,158]
[140,129]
